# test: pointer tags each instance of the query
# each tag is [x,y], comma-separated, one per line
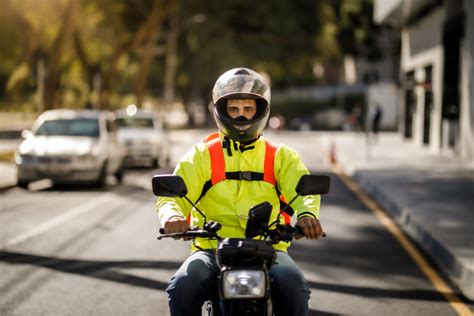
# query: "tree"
[99,51]
[56,53]
[276,37]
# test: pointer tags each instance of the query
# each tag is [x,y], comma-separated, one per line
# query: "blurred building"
[380,75]
[436,71]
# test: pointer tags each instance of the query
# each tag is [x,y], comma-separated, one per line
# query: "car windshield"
[135,122]
[74,127]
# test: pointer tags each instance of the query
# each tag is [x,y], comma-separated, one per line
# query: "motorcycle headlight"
[244,284]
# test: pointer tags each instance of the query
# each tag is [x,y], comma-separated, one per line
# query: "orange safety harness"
[219,174]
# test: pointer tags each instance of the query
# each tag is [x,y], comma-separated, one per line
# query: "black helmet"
[241,83]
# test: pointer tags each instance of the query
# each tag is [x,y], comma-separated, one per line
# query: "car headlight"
[18,159]
[25,158]
[89,158]
[244,284]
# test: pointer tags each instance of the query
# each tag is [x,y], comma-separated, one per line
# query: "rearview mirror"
[313,184]
[259,216]
[169,186]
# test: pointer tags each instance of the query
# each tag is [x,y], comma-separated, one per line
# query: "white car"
[70,146]
[145,139]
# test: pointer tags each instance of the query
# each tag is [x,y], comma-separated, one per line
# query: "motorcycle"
[244,284]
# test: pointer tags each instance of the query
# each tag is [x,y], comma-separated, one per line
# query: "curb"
[458,271]
[7,187]
[8,179]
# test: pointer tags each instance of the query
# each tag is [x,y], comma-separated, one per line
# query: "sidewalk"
[430,196]
[7,175]
[7,168]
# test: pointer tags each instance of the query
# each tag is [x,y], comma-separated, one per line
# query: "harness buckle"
[246,175]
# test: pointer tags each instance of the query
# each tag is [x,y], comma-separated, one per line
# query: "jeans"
[196,282]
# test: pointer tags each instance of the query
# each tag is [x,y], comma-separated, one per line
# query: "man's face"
[241,107]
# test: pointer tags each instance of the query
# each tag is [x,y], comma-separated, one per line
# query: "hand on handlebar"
[311,227]
[176,225]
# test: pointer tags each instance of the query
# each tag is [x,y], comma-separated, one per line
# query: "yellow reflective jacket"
[228,202]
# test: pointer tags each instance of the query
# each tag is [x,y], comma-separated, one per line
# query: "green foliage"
[356,27]
[87,42]
[20,77]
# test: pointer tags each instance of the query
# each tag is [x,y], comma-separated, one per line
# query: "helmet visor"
[242,86]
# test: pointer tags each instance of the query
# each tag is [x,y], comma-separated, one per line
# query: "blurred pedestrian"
[355,118]
[376,118]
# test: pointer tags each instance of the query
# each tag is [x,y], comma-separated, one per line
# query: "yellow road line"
[456,303]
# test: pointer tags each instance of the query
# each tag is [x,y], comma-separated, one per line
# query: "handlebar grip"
[299,231]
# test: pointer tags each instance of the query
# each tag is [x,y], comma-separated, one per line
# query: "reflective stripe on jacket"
[228,202]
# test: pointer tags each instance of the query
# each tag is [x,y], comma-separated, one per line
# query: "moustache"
[241,119]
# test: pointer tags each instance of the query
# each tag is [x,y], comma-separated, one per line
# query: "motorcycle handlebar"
[285,232]
[189,233]
[299,231]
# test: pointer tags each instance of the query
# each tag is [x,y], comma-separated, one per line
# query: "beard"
[241,119]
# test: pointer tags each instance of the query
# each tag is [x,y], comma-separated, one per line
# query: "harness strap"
[240,175]
[217,161]
[211,137]
[269,165]
[218,173]
[245,175]
[218,164]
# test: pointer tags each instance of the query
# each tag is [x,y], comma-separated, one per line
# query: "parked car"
[144,137]
[70,146]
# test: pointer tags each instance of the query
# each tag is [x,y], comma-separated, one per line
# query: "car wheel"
[102,179]
[23,184]
[119,174]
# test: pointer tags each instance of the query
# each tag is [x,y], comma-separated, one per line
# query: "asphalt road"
[78,251]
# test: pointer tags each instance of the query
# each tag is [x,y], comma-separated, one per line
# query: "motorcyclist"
[241,99]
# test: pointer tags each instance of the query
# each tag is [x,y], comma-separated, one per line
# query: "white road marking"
[91,205]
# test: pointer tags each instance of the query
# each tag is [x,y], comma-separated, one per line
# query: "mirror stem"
[199,211]
[287,206]
[289,203]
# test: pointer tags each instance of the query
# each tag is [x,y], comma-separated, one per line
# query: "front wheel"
[155,163]
[23,184]
[164,161]
[102,179]
[119,174]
